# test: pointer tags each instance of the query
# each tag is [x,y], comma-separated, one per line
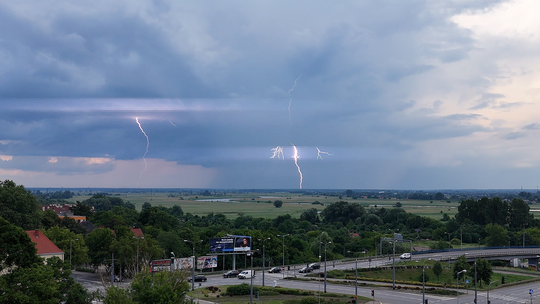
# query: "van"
[246,274]
[405,256]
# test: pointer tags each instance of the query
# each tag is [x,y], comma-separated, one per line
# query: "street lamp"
[457,284]
[250,254]
[138,239]
[355,277]
[263,240]
[424,280]
[194,263]
[394,264]
[70,249]
[283,242]
[325,243]
[488,302]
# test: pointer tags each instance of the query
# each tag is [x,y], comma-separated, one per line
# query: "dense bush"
[240,290]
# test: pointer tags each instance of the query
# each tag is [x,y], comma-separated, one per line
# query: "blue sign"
[530,291]
[467,282]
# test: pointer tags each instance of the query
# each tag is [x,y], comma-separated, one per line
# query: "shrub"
[240,290]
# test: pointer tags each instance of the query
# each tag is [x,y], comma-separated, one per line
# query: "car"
[118,279]
[231,274]
[315,265]
[405,256]
[198,278]
[305,269]
[275,270]
[246,274]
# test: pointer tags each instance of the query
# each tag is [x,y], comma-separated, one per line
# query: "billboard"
[178,264]
[205,262]
[230,244]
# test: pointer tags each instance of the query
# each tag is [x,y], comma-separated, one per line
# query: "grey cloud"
[464,116]
[533,126]
[513,135]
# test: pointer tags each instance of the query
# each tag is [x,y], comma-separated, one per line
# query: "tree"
[459,265]
[18,206]
[310,215]
[437,270]
[67,240]
[152,288]
[519,215]
[16,247]
[99,243]
[30,280]
[278,203]
[484,271]
[342,212]
[497,235]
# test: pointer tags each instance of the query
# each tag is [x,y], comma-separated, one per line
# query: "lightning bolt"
[319,152]
[146,152]
[278,152]
[296,157]
[290,97]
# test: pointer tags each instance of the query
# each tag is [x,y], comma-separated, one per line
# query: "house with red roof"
[45,247]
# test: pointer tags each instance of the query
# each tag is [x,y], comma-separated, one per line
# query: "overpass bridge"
[532,254]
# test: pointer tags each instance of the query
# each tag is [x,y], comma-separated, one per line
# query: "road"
[513,294]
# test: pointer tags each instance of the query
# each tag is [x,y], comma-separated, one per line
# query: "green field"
[256,204]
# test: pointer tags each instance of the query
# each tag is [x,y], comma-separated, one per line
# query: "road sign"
[530,291]
[466,281]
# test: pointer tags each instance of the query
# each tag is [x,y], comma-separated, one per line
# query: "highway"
[512,294]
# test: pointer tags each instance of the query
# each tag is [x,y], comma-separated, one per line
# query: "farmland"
[260,204]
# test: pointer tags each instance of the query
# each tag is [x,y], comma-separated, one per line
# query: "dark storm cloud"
[211,84]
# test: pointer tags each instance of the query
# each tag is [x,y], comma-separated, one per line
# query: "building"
[45,247]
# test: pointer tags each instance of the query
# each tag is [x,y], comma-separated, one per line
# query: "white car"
[405,256]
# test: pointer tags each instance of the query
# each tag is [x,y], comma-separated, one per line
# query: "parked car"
[231,274]
[305,269]
[118,279]
[198,278]
[405,256]
[275,270]
[246,274]
[315,265]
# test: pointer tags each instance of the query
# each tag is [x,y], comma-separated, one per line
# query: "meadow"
[261,204]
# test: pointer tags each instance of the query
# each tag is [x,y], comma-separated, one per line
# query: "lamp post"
[250,254]
[263,240]
[424,280]
[394,264]
[355,277]
[283,242]
[488,302]
[70,250]
[194,264]
[457,284]
[325,243]
[138,239]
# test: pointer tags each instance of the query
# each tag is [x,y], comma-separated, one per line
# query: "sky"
[395,94]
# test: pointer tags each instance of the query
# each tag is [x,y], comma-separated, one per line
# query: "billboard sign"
[205,262]
[165,264]
[230,244]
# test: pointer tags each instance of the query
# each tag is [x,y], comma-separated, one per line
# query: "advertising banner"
[205,262]
[165,264]
[230,244]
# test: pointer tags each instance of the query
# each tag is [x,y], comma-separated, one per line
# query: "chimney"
[36,232]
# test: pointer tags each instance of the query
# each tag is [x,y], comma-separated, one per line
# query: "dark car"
[275,270]
[305,269]
[198,278]
[231,274]
[315,265]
